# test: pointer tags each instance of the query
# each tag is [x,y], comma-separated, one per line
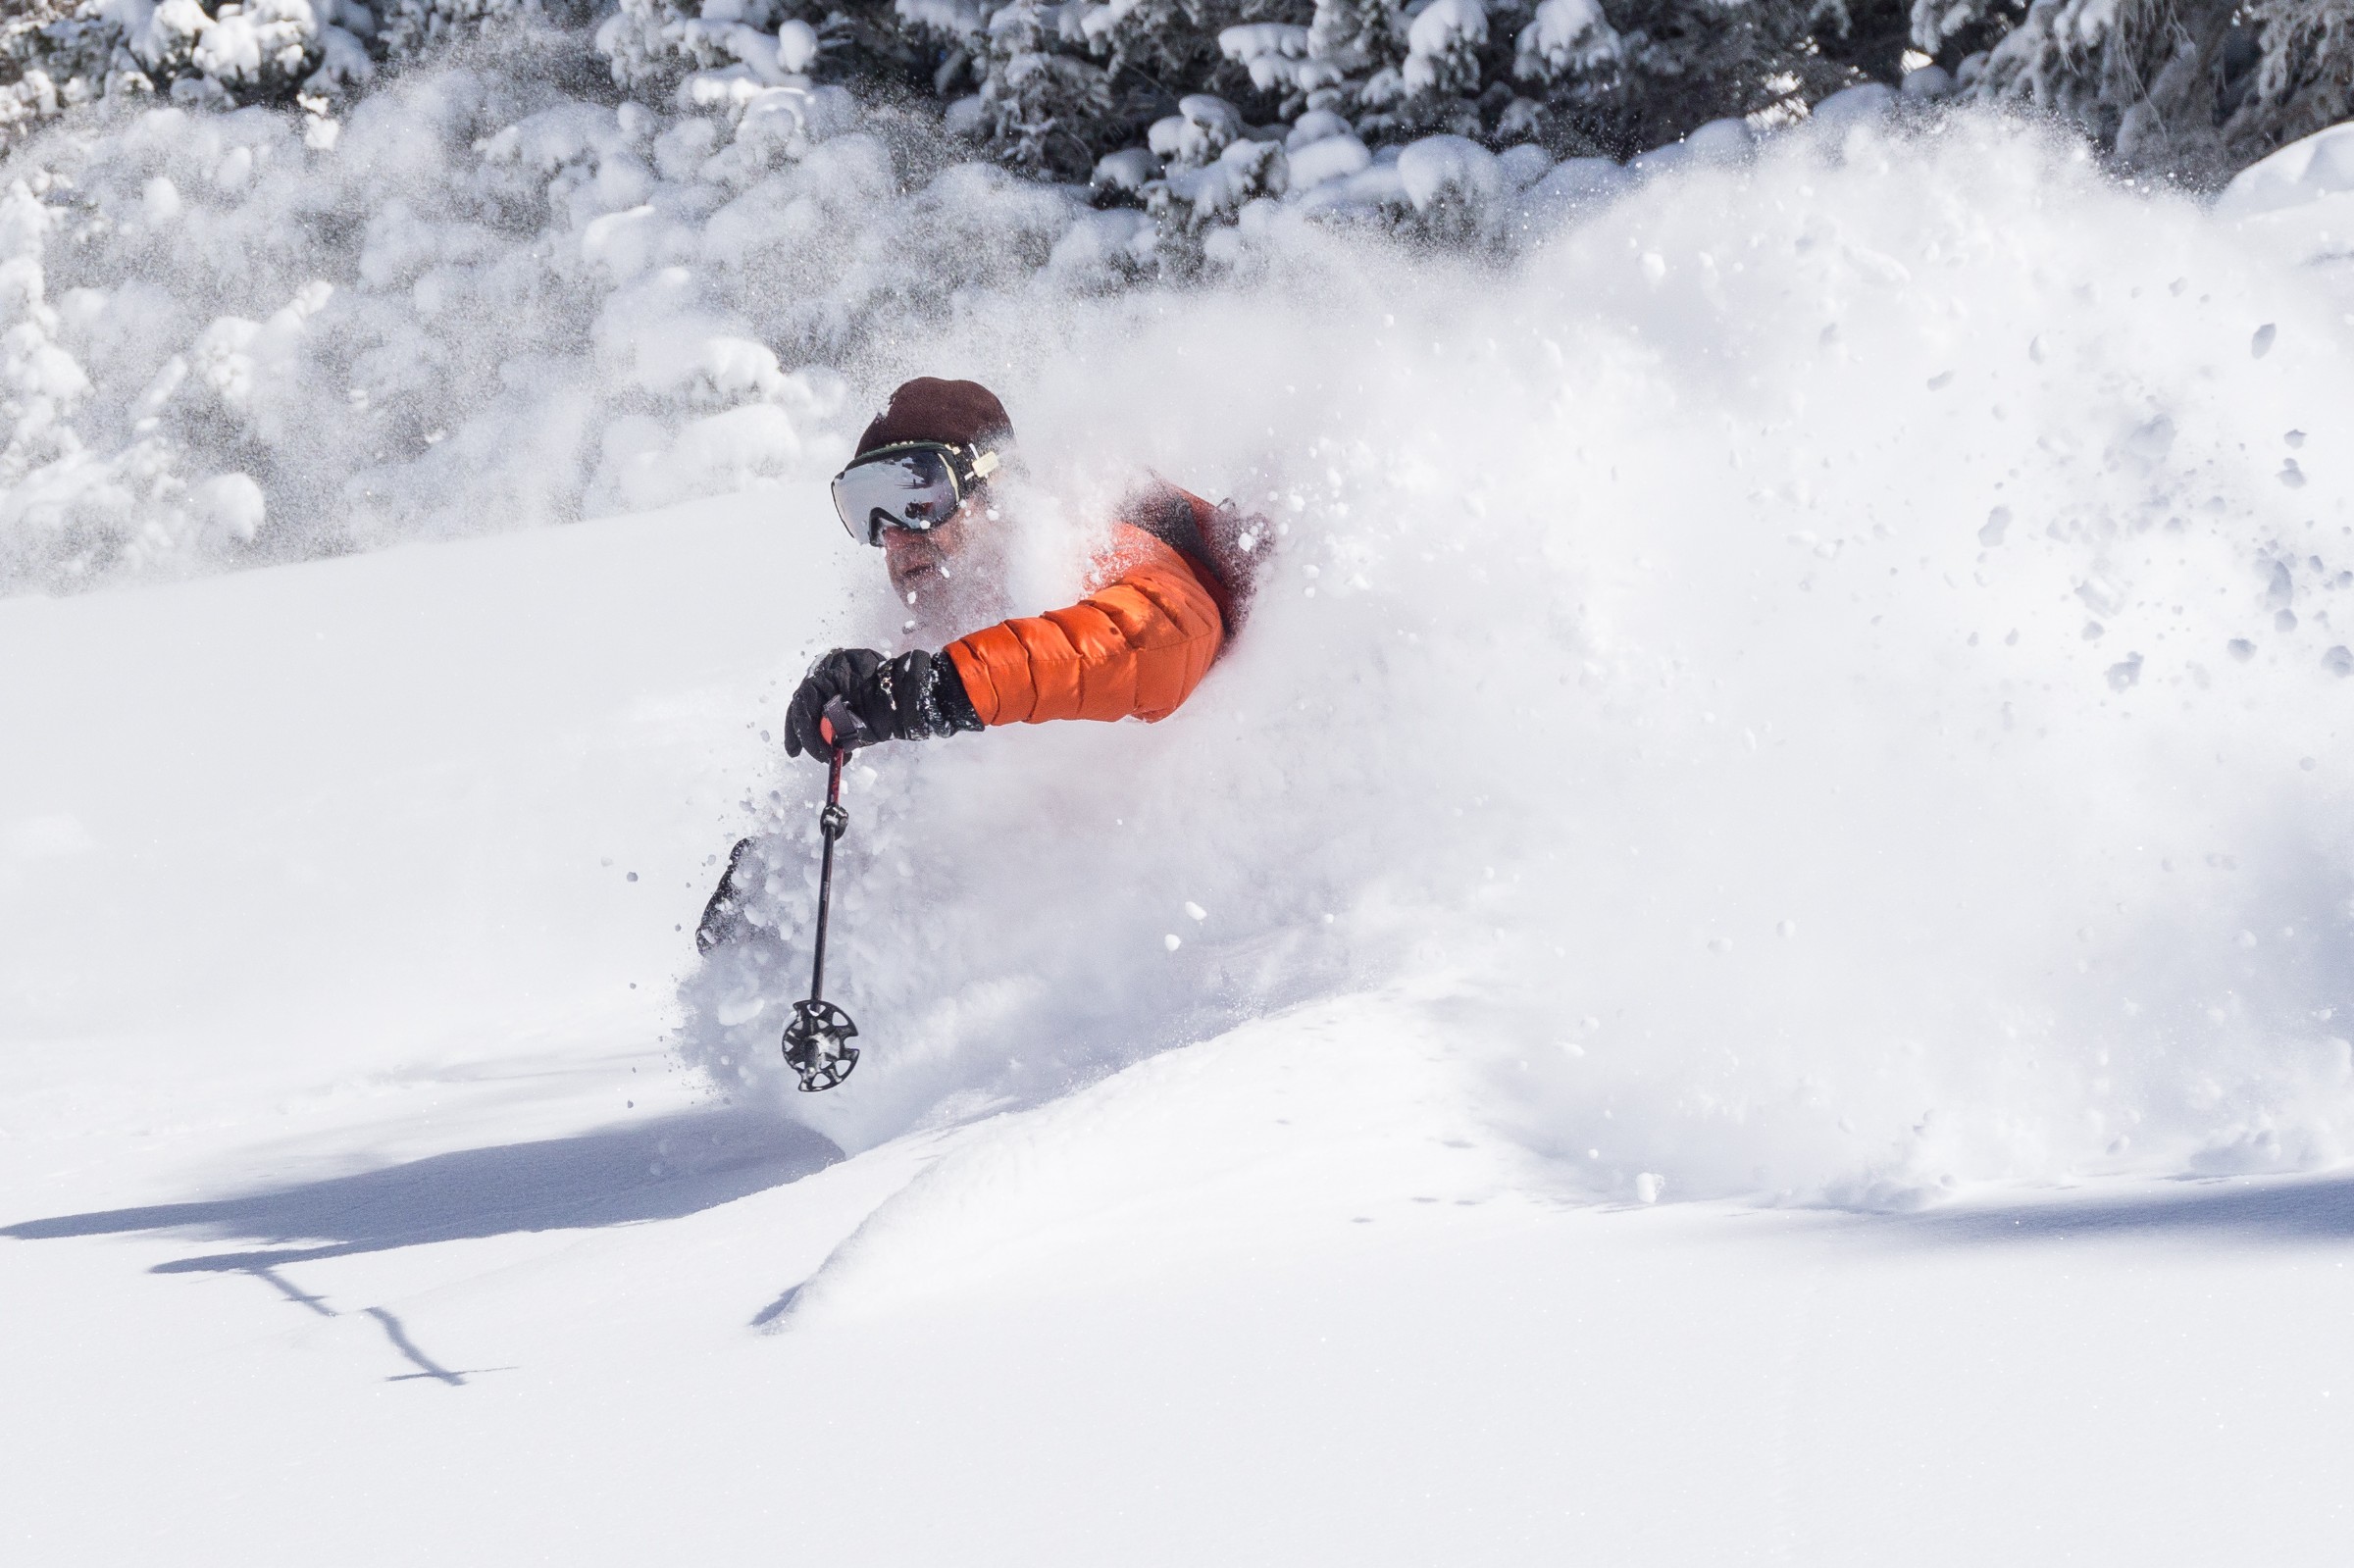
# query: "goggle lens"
[896,491]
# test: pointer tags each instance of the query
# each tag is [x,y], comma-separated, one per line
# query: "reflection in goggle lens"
[897,489]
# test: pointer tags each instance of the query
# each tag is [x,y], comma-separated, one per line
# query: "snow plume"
[1823,679]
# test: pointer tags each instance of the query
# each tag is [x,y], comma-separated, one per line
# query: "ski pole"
[816,1039]
[832,824]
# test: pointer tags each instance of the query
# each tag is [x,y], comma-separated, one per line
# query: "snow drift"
[1815,673]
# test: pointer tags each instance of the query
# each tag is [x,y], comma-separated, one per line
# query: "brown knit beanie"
[953,413]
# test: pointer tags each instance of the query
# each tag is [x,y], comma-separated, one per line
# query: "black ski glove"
[915,696]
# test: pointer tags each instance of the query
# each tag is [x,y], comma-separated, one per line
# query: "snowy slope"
[360,1256]
[1834,730]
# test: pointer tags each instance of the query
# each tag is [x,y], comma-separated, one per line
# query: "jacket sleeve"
[1137,647]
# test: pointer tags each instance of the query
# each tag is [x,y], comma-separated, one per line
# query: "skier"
[1173,583]
[1170,590]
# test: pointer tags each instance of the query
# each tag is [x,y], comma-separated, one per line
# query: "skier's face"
[919,562]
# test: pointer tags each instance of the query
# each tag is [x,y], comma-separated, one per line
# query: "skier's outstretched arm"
[1134,648]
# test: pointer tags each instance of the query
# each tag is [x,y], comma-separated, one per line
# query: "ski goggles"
[910,485]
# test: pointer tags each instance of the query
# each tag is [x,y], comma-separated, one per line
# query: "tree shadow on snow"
[660,1168]
[2256,1210]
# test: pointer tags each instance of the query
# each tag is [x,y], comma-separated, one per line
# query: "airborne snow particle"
[1172,941]
[2262,343]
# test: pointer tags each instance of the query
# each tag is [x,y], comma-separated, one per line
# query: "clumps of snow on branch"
[224,54]
[1567,35]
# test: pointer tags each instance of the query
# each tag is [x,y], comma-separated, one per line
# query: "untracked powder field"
[1745,957]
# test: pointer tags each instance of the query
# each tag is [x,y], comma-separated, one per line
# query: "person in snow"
[1168,590]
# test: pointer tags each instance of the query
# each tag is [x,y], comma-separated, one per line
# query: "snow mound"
[1352,1111]
[2298,204]
[2310,169]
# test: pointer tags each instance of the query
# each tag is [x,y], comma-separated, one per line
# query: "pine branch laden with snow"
[2306,80]
[2143,78]
[2189,88]
[221,54]
[651,45]
[406,28]
[1044,107]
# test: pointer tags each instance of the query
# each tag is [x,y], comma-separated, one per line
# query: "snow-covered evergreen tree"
[1057,87]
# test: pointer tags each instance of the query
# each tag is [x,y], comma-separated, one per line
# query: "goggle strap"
[964,462]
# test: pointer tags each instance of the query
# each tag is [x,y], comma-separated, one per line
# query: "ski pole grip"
[841,727]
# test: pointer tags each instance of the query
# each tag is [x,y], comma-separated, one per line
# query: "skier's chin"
[924,594]
[930,602]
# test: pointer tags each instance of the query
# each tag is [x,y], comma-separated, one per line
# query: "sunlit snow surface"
[1812,683]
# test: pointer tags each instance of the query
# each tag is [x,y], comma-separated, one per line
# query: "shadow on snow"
[2268,1210]
[660,1168]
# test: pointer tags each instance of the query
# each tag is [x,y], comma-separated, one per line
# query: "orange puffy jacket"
[1137,645]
